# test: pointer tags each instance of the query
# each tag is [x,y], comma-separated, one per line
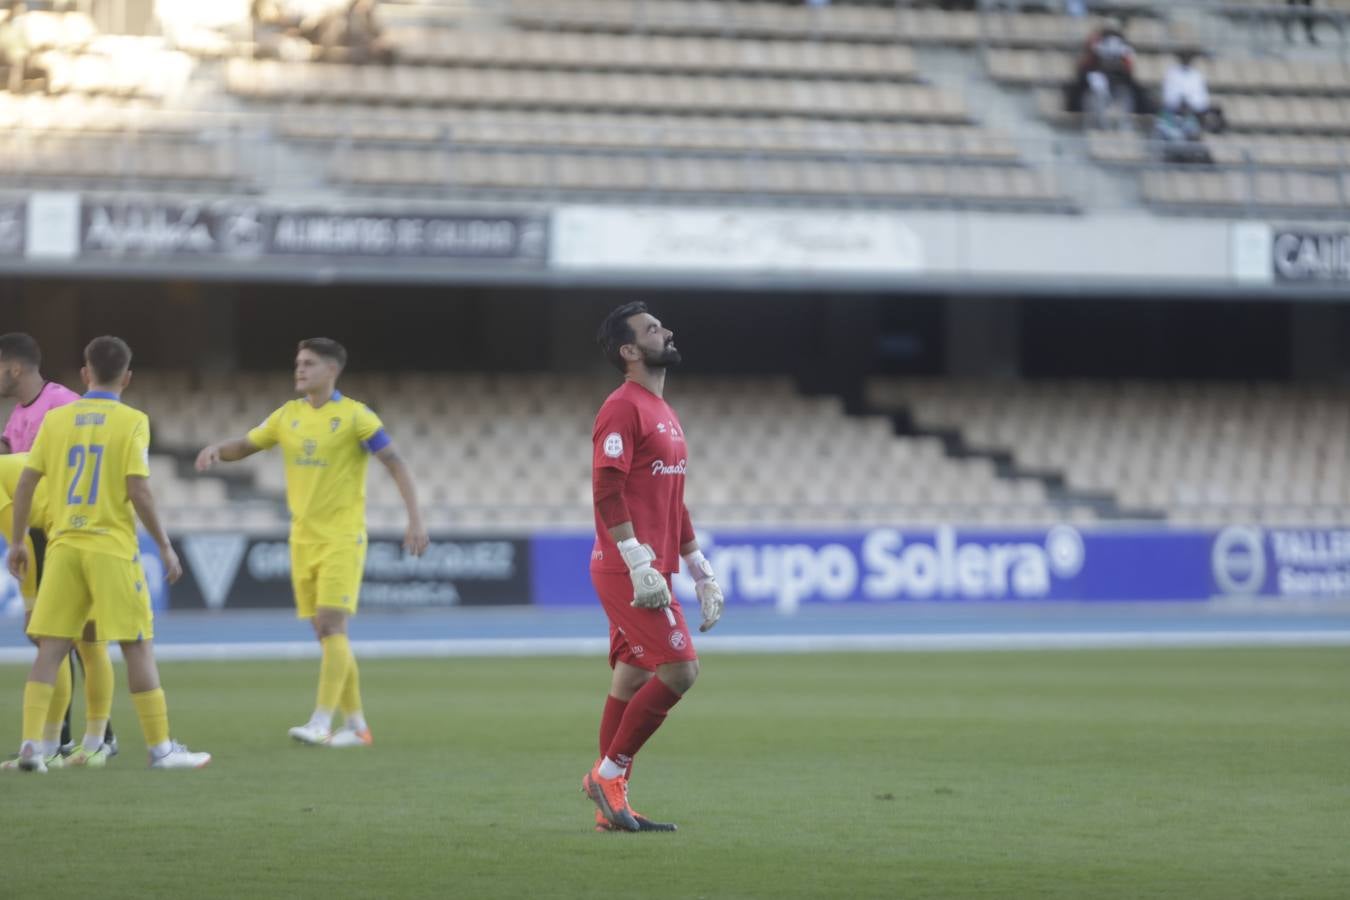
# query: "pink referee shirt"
[24,421]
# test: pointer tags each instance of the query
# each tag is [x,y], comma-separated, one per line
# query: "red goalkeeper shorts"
[645,638]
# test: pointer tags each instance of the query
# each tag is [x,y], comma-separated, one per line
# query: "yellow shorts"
[78,585]
[327,575]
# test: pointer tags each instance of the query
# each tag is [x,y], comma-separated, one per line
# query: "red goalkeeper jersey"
[638,435]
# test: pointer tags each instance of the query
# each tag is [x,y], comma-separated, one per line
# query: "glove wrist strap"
[699,567]
[635,554]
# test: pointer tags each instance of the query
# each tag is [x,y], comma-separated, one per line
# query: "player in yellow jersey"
[95,454]
[11,467]
[326,440]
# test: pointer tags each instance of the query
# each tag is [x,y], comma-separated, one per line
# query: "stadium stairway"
[1059,494]
[1011,112]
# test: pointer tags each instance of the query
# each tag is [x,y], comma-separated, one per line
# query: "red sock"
[609,724]
[609,721]
[645,713]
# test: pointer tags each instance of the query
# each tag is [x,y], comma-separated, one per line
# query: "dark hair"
[615,332]
[327,348]
[108,359]
[20,346]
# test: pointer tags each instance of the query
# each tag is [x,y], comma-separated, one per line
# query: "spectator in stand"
[365,38]
[276,33]
[1187,112]
[1184,87]
[1309,21]
[353,34]
[1104,86]
[15,45]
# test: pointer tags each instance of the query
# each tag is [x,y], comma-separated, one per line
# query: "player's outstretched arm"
[225,451]
[415,539]
[138,492]
[18,561]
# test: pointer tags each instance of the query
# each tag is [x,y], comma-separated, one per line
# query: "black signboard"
[228,570]
[150,228]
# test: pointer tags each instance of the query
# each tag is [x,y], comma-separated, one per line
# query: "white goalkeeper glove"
[650,590]
[710,599]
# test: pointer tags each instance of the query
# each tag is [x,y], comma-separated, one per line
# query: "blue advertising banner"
[947,564]
[11,600]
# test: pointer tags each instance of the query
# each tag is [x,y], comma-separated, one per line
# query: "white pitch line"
[807,643]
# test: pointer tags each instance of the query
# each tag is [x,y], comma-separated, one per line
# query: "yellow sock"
[337,662]
[60,702]
[350,704]
[153,711]
[98,685]
[37,699]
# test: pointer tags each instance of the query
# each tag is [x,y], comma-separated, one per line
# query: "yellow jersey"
[85,451]
[11,467]
[326,451]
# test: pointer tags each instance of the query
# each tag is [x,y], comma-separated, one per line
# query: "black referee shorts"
[39,550]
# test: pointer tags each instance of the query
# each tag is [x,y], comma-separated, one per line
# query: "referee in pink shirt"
[21,380]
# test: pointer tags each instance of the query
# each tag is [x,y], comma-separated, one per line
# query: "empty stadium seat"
[1202,454]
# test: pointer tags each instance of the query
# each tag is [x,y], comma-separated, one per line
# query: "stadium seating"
[513,452]
[563,89]
[486,452]
[841,21]
[132,160]
[787,136]
[999,186]
[1200,453]
[673,99]
[564,50]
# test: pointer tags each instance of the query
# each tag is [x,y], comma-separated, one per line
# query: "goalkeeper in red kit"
[642,528]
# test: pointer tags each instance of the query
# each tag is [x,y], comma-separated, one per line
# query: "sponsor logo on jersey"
[659,467]
[613,445]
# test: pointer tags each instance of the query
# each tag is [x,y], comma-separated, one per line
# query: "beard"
[667,356]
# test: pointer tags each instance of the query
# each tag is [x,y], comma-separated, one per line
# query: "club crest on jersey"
[334,424]
[295,423]
[614,445]
[678,640]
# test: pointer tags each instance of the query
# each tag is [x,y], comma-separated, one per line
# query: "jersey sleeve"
[138,448]
[268,433]
[370,430]
[615,437]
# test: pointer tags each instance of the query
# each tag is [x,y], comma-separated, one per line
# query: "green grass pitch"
[1171,773]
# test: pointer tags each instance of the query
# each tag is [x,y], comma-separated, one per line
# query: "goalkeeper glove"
[709,592]
[650,590]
